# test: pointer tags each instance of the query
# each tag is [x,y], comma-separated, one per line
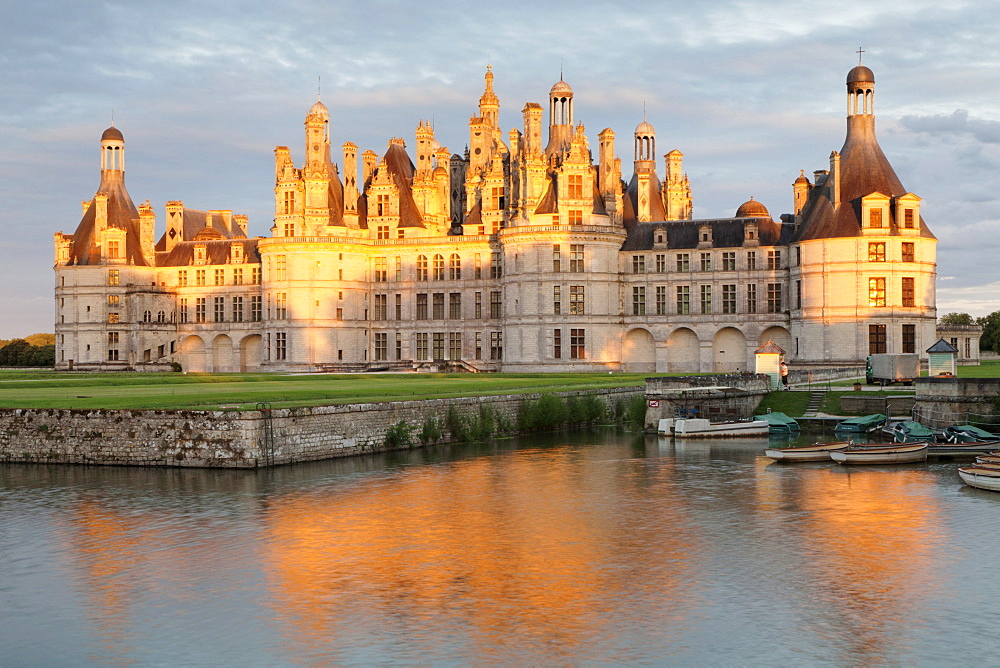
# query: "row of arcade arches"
[685,351]
[219,354]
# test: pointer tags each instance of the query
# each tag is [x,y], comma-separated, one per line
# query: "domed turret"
[112,134]
[752,209]
[860,74]
[319,109]
[561,88]
[645,128]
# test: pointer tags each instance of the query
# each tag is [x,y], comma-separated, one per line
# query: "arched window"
[147,316]
[455,267]
[161,317]
[439,267]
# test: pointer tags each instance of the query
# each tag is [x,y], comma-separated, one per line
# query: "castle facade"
[523,254]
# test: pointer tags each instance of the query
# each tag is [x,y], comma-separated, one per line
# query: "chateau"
[527,253]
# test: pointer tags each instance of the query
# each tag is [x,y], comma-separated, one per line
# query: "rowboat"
[861,425]
[980,478]
[986,465]
[966,449]
[960,433]
[904,453]
[702,428]
[817,452]
[780,423]
[988,459]
[909,431]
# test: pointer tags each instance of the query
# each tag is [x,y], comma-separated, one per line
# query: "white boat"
[702,428]
[817,452]
[980,478]
[895,454]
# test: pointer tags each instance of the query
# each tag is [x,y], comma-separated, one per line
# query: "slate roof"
[217,252]
[122,214]
[726,233]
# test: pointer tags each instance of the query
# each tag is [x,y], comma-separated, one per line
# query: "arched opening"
[250,353]
[683,351]
[639,352]
[729,351]
[222,354]
[780,336]
[193,354]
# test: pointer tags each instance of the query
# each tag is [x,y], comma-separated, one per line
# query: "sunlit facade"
[523,254]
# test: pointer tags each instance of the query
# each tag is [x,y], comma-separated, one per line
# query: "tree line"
[37,350]
[990,339]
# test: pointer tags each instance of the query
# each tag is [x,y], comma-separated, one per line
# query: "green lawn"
[41,389]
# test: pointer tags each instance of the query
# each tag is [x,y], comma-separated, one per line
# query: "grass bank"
[41,389]
[794,403]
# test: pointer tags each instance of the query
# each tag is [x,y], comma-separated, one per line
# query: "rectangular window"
[496,345]
[113,277]
[256,308]
[773,259]
[557,300]
[479,345]
[219,311]
[909,292]
[381,270]
[184,309]
[876,251]
[182,278]
[661,263]
[454,345]
[908,254]
[340,314]
[399,306]
[381,231]
[774,297]
[399,268]
[399,346]
[280,306]
[200,314]
[238,276]
[438,267]
[556,258]
[876,339]
[496,265]
[751,260]
[683,299]
[557,343]
[575,186]
[114,300]
[199,277]
[421,306]
[706,262]
[576,257]
[706,299]
[382,207]
[478,268]
[422,346]
[875,218]
[455,306]
[438,307]
[497,199]
[661,300]
[113,246]
[638,264]
[381,307]
[729,261]
[289,203]
[113,346]
[798,294]
[422,272]
[289,228]
[381,346]
[113,317]
[237,309]
[910,339]
[280,346]
[575,217]
[455,267]
[639,300]
[578,344]
[577,300]
[496,307]
[220,276]
[729,298]
[876,292]
[752,298]
[255,275]
[479,306]
[908,219]
[683,262]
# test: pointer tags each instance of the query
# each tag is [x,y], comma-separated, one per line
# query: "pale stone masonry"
[521,254]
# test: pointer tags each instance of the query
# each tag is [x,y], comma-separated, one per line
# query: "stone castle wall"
[234,439]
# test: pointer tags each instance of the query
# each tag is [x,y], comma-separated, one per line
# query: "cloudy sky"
[751,91]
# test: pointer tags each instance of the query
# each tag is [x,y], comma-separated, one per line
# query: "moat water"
[591,548]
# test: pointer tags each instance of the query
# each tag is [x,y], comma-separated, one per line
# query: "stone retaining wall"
[941,402]
[721,396]
[234,439]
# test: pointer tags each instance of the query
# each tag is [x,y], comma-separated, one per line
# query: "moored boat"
[779,422]
[817,452]
[909,431]
[902,453]
[702,428]
[967,449]
[862,424]
[959,433]
[980,478]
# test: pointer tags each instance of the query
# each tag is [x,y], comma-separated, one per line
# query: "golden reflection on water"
[537,550]
[871,546]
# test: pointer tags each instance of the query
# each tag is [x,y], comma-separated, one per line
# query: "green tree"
[990,339]
[956,319]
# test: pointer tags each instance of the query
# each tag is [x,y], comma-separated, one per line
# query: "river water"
[589,548]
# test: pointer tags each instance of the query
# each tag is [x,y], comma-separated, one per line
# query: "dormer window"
[908,219]
[200,254]
[236,253]
[875,218]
